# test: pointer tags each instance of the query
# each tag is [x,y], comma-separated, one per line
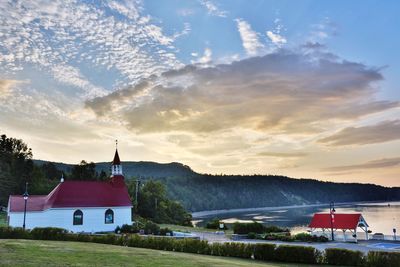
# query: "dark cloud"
[284,92]
[373,164]
[371,134]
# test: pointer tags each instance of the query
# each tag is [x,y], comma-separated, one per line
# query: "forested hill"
[137,169]
[207,192]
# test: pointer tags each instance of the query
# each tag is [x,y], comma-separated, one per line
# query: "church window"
[109,216]
[78,217]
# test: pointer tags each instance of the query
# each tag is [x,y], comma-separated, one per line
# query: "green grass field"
[59,253]
[3,219]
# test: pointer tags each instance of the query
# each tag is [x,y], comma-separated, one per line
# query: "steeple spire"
[116,168]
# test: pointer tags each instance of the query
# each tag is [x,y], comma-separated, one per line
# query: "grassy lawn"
[190,229]
[60,253]
[3,219]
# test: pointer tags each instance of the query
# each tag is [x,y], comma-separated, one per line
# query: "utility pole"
[137,193]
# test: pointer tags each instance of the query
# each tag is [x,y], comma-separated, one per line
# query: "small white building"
[78,206]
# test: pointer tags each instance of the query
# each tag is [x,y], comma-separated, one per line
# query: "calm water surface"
[381,217]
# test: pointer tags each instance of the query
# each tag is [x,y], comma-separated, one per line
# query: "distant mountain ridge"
[200,192]
[137,169]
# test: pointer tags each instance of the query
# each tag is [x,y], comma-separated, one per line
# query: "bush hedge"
[245,228]
[309,238]
[344,257]
[286,253]
[49,233]
[264,252]
[383,259]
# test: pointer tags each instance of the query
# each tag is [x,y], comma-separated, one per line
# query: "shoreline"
[207,213]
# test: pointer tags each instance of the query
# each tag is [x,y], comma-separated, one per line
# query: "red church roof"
[340,220]
[70,194]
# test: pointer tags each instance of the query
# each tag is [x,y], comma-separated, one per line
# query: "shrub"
[79,237]
[240,250]
[166,244]
[251,235]
[275,229]
[298,254]
[127,229]
[245,228]
[214,224]
[310,238]
[264,252]
[14,233]
[165,231]
[151,228]
[322,238]
[194,246]
[279,236]
[345,257]
[383,259]
[49,233]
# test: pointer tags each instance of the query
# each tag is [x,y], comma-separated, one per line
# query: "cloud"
[284,92]
[283,154]
[6,87]
[373,164]
[382,132]
[212,9]
[75,40]
[205,59]
[250,40]
[323,30]
[276,38]
[185,12]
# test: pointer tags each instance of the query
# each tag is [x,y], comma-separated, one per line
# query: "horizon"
[216,174]
[301,89]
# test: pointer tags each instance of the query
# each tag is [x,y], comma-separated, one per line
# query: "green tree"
[16,166]
[84,171]
[154,204]
[103,176]
[51,172]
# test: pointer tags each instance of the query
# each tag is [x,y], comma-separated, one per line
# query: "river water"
[382,217]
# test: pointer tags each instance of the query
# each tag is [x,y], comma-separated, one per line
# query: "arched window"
[109,217]
[78,217]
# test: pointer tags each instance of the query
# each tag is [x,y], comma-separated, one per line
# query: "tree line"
[17,168]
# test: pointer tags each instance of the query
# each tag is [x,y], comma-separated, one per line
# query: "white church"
[78,206]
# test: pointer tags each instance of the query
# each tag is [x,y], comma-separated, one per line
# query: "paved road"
[362,245]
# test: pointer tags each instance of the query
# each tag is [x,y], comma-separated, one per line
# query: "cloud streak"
[283,154]
[373,164]
[379,133]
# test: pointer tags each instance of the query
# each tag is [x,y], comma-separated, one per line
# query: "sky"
[307,89]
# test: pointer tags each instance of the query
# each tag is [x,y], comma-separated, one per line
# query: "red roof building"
[339,221]
[87,206]
[77,194]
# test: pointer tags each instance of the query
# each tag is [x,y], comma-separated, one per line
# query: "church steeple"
[116,168]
